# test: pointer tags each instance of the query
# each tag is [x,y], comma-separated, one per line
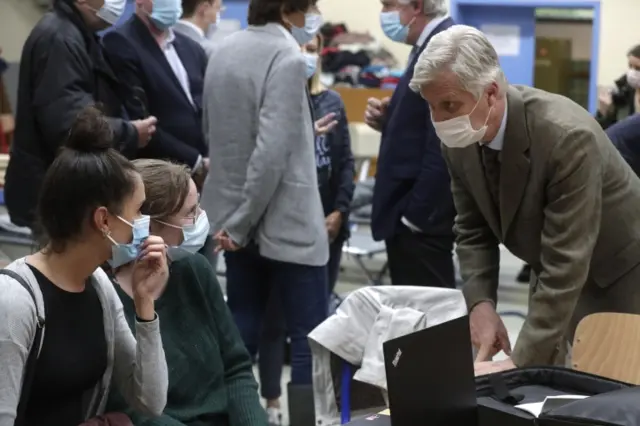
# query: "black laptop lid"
[430,376]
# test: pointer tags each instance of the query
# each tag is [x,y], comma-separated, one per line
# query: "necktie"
[412,55]
[491,163]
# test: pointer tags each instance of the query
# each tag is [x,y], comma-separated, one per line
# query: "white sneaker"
[274,416]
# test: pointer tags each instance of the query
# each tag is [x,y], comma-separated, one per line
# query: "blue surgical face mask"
[194,238]
[312,63]
[111,11]
[393,28]
[312,24]
[165,13]
[121,254]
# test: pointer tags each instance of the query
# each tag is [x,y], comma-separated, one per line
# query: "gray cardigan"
[137,367]
[262,184]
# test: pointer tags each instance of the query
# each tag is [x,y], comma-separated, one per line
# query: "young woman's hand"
[224,242]
[149,276]
[325,124]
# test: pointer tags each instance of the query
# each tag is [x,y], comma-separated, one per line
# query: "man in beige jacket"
[535,172]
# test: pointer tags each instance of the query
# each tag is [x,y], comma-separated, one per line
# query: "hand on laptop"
[488,333]
[490,367]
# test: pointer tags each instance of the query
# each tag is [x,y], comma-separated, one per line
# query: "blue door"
[512,31]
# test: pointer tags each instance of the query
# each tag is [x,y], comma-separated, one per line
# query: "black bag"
[610,402]
[30,367]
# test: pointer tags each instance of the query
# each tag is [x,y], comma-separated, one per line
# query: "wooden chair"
[608,345]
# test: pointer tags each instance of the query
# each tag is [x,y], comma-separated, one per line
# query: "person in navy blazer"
[162,73]
[625,135]
[413,208]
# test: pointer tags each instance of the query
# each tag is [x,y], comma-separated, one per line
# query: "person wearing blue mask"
[210,372]
[63,336]
[336,183]
[412,208]
[199,20]
[261,194]
[162,73]
[62,70]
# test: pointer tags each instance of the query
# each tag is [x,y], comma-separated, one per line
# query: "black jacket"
[334,159]
[62,70]
[623,104]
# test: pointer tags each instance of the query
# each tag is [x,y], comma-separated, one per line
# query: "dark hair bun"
[91,132]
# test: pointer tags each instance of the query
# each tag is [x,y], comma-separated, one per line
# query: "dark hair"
[86,174]
[635,52]
[262,12]
[166,186]
[189,7]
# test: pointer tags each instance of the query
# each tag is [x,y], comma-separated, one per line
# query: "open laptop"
[430,376]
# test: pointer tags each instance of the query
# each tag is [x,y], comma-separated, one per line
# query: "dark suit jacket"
[151,88]
[569,206]
[625,135]
[412,178]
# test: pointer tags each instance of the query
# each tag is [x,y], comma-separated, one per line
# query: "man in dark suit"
[163,74]
[412,205]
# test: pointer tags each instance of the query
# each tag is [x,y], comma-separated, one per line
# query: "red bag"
[109,419]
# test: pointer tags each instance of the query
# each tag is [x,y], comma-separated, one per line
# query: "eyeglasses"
[190,219]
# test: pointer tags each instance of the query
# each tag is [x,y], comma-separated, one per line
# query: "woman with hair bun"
[89,212]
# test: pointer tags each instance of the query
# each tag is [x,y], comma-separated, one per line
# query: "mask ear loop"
[170,225]
[107,234]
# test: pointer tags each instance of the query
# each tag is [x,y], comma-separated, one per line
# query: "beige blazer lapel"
[515,166]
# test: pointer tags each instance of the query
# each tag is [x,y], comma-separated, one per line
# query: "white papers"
[535,408]
[504,38]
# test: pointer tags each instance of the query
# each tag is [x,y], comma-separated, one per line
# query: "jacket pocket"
[610,270]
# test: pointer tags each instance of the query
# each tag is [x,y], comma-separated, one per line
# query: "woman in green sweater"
[211,382]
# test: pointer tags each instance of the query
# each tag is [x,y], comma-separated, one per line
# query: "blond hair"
[315,86]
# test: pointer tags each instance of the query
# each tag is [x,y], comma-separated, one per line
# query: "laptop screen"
[430,376]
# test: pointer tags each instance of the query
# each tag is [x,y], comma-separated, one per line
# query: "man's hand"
[325,124]
[376,111]
[333,223]
[488,333]
[146,128]
[490,367]
[224,242]
[605,102]
[200,173]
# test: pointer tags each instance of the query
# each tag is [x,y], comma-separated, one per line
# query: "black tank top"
[73,357]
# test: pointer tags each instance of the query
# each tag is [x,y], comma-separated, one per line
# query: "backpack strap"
[32,359]
[501,392]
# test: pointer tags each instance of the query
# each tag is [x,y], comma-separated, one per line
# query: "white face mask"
[633,78]
[111,11]
[458,132]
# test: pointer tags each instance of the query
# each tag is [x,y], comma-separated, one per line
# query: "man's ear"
[418,6]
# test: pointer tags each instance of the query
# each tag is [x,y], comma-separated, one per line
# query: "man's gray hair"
[467,53]
[430,7]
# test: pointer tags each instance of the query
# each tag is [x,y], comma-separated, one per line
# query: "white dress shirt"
[498,142]
[176,64]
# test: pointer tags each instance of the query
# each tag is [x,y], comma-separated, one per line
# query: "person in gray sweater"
[89,210]
[261,194]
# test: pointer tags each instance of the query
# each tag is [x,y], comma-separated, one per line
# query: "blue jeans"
[272,341]
[301,291]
